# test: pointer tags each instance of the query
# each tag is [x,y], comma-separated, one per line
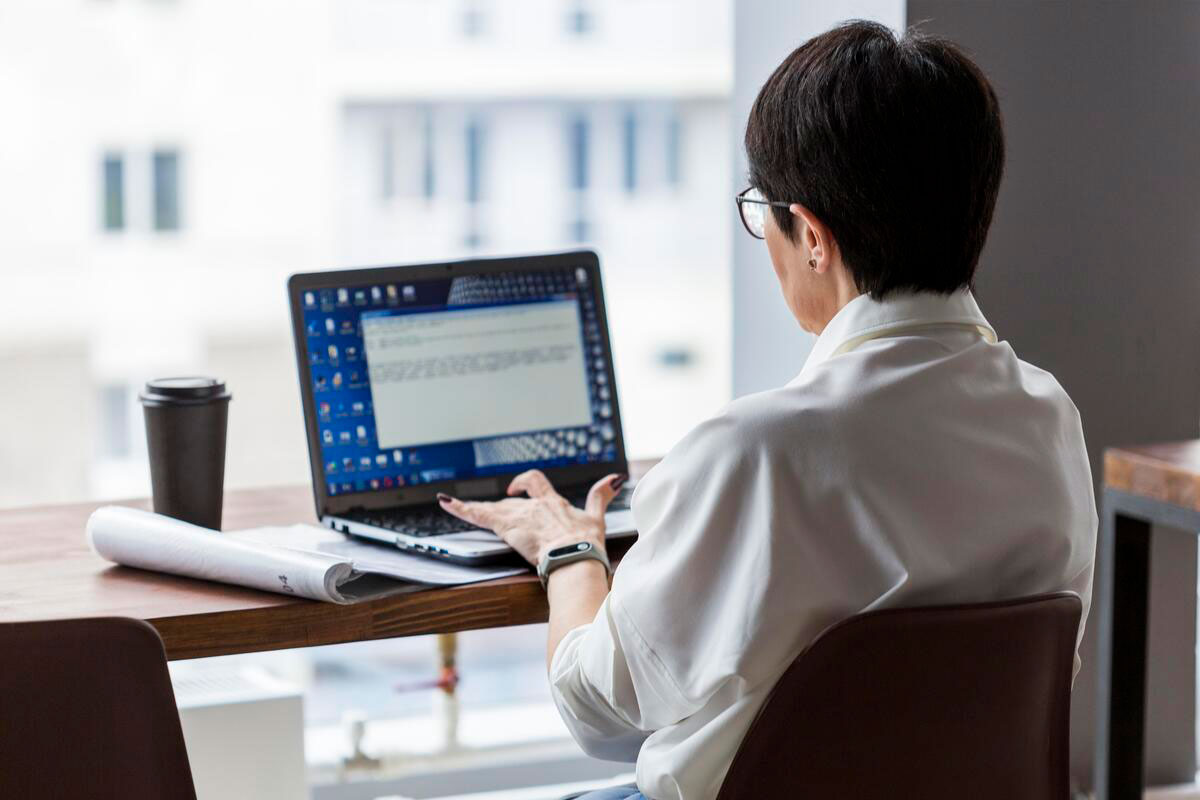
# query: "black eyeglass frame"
[741,200]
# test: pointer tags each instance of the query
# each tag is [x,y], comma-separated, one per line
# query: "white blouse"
[915,460]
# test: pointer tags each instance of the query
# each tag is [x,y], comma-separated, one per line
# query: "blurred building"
[169,162]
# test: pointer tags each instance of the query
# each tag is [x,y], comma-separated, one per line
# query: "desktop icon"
[343,297]
[351,353]
[333,353]
[323,410]
[331,467]
[398,456]
[348,464]
[337,380]
[329,325]
[321,383]
[364,462]
[392,294]
[327,436]
[374,483]
[376,294]
[387,482]
[333,487]
[410,293]
[361,430]
[360,297]
[310,299]
[381,460]
[356,408]
[344,437]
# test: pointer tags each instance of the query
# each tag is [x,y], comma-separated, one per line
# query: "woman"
[914,460]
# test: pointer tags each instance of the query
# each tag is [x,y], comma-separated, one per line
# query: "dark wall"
[1092,269]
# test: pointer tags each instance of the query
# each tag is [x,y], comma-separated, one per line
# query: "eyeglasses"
[752,207]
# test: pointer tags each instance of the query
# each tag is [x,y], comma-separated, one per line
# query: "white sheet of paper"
[378,558]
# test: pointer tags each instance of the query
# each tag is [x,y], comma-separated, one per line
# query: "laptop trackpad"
[617,523]
[472,537]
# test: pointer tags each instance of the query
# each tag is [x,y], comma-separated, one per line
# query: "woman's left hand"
[542,520]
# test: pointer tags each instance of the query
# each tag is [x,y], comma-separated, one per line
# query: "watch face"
[578,547]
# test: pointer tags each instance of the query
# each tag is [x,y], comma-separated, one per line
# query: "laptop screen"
[453,378]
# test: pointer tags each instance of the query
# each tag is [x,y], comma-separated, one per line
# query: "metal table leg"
[1122,604]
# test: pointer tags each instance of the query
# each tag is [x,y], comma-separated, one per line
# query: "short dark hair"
[895,143]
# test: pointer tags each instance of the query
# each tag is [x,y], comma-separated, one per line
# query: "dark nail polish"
[444,498]
[619,481]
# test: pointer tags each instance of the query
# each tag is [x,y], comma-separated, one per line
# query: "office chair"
[86,710]
[931,703]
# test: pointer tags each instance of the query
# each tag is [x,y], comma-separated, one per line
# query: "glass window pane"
[474,160]
[114,192]
[114,428]
[427,175]
[674,145]
[629,134]
[387,163]
[578,146]
[166,190]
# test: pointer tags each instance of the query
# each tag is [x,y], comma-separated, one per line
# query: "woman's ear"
[815,235]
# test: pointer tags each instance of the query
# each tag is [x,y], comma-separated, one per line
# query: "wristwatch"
[569,554]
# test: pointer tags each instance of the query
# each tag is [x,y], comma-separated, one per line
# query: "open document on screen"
[460,374]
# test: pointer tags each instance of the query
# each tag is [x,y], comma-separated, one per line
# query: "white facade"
[278,113]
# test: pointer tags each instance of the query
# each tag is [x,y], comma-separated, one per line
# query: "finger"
[533,483]
[602,493]
[475,513]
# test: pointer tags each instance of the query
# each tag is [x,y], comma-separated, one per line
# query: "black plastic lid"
[183,391]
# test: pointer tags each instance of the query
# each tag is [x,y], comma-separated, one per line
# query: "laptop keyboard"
[432,521]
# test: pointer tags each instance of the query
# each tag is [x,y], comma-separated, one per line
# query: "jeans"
[627,792]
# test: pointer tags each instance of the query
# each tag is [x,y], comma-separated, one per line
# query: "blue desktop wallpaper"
[352,461]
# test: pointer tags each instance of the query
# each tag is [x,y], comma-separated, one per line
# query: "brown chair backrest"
[931,703]
[86,710]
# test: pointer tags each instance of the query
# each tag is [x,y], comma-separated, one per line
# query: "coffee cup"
[186,422]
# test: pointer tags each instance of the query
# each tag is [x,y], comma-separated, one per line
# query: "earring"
[812,264]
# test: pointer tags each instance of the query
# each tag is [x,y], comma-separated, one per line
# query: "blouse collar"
[864,319]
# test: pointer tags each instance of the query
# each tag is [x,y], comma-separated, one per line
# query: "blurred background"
[167,163]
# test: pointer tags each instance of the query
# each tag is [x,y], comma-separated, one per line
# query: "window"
[474,168]
[114,424]
[577,134]
[674,146]
[578,143]
[474,160]
[114,192]
[629,134]
[579,20]
[404,168]
[427,184]
[473,21]
[166,190]
[387,163]
[454,128]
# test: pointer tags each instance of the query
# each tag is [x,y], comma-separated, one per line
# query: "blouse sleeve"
[684,600]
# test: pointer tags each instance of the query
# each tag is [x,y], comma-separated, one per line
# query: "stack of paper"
[302,560]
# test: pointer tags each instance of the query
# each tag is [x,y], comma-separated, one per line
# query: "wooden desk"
[1143,486]
[48,572]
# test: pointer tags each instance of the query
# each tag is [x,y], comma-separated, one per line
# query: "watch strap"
[569,554]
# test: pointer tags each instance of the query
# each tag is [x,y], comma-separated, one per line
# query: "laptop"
[455,377]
